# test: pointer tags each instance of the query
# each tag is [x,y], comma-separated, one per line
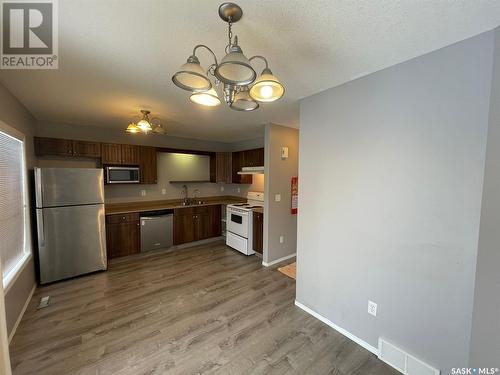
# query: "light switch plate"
[277,197]
[284,153]
[143,193]
[222,188]
[282,239]
[372,308]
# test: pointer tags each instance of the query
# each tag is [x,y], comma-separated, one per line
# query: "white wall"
[278,220]
[391,179]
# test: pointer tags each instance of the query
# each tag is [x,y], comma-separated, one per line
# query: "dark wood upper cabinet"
[258,232]
[111,153]
[123,235]
[66,147]
[53,146]
[115,153]
[252,158]
[148,165]
[87,149]
[237,163]
[223,168]
[130,154]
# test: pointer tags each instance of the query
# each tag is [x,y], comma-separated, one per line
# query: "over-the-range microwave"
[122,175]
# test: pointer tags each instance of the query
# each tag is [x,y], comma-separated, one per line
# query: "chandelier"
[234,76]
[145,125]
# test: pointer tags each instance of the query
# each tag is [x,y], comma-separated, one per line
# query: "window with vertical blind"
[14,226]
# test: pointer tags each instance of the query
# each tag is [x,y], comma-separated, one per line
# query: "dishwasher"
[157,230]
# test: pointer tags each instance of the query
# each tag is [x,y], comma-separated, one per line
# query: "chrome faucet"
[185,201]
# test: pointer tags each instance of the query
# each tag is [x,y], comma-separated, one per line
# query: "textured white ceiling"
[117,56]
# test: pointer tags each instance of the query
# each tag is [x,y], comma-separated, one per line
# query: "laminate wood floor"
[201,310]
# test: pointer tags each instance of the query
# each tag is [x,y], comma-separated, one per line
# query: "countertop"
[259,210]
[141,206]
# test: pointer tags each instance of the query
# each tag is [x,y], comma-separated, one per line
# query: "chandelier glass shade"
[234,76]
[267,88]
[244,102]
[192,77]
[235,68]
[132,128]
[208,98]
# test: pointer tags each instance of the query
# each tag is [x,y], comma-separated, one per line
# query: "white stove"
[239,222]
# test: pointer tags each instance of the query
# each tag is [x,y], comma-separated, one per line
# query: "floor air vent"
[402,361]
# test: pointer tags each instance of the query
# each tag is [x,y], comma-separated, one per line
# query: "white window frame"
[10,278]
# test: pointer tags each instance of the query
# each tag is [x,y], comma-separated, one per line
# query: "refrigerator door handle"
[38,187]
[40,228]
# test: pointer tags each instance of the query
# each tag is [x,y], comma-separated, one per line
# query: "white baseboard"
[341,330]
[265,264]
[12,333]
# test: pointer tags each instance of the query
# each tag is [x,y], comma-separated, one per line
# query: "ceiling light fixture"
[145,125]
[234,72]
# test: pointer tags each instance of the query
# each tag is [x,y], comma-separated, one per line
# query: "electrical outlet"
[239,190]
[282,239]
[372,308]
[222,188]
[164,191]
[277,197]
[143,193]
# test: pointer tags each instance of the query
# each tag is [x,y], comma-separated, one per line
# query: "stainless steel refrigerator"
[70,222]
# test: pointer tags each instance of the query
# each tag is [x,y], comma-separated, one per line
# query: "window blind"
[12,204]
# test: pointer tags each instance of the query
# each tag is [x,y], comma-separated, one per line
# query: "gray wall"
[278,220]
[14,114]
[391,179]
[485,343]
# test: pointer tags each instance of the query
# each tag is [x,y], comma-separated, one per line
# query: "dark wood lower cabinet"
[184,229]
[196,223]
[258,232]
[123,236]
[123,231]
